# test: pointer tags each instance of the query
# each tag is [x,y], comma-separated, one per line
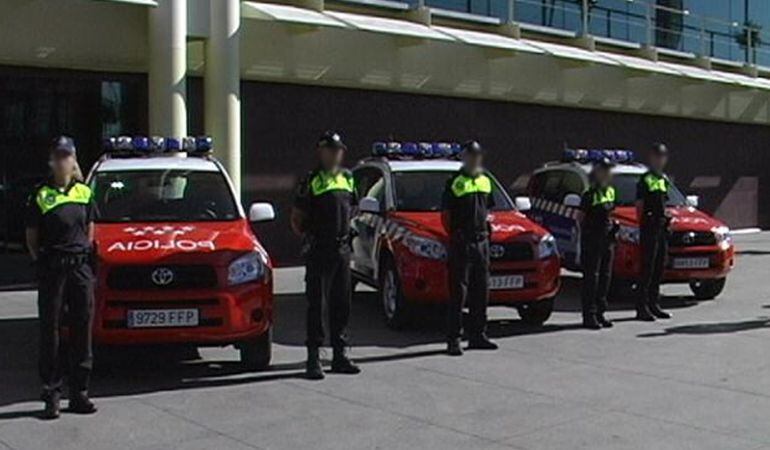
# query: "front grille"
[517,251]
[691,238]
[157,277]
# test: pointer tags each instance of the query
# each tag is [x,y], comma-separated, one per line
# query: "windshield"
[422,191]
[625,185]
[163,196]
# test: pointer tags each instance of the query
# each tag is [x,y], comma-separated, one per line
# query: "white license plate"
[506,282]
[691,263]
[162,318]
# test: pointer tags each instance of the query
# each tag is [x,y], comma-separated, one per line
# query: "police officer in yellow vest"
[321,216]
[597,244]
[652,195]
[466,203]
[60,227]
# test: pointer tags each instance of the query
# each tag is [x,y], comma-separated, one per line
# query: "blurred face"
[473,162]
[331,158]
[603,175]
[62,164]
[658,161]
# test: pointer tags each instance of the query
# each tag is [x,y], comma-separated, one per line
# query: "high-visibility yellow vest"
[324,182]
[49,198]
[602,196]
[464,185]
[655,183]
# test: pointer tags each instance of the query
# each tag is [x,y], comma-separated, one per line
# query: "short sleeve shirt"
[327,199]
[652,190]
[62,217]
[468,199]
[597,206]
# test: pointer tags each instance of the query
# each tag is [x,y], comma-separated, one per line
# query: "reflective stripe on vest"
[48,198]
[324,182]
[602,196]
[464,185]
[655,183]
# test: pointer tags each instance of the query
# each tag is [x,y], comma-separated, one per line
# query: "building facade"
[525,77]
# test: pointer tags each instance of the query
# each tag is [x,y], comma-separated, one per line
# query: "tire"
[536,313]
[394,305]
[256,353]
[707,289]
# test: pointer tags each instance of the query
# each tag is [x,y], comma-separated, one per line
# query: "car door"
[370,182]
[572,183]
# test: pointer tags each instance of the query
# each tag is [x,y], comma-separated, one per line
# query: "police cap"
[659,148]
[63,145]
[330,139]
[472,147]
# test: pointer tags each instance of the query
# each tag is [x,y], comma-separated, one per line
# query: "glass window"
[424,191]
[163,196]
[552,185]
[625,185]
[572,183]
[370,183]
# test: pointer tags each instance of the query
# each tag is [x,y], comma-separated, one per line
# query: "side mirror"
[693,200]
[369,205]
[572,200]
[261,212]
[523,203]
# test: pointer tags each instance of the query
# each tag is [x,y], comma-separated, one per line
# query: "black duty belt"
[65,259]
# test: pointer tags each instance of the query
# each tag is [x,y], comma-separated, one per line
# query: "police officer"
[652,195]
[321,216]
[597,244]
[59,237]
[466,204]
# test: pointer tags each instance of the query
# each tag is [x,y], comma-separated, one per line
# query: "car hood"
[683,218]
[506,225]
[214,243]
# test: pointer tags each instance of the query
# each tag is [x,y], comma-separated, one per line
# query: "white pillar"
[222,85]
[168,68]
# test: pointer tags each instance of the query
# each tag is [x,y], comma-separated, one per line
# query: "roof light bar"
[144,145]
[416,150]
[593,155]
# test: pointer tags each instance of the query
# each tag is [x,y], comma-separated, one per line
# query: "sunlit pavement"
[699,381]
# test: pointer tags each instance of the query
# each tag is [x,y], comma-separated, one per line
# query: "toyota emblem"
[162,276]
[688,238]
[496,251]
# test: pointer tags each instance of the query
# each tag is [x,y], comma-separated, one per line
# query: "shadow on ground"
[711,328]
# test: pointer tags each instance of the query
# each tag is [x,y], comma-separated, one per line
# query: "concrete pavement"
[699,381]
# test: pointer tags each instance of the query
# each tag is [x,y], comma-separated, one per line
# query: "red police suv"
[177,259]
[400,245]
[701,252]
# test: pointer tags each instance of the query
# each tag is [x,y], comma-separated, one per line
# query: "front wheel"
[394,304]
[707,289]
[257,352]
[536,313]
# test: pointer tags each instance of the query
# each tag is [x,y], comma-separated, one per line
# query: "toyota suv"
[177,261]
[400,244]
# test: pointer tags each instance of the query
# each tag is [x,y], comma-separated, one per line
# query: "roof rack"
[416,150]
[144,146]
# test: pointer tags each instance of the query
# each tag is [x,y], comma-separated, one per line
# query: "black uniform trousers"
[468,285]
[654,242]
[327,284]
[596,256]
[65,284]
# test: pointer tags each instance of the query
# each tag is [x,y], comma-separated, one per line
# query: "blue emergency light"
[416,150]
[139,145]
[594,155]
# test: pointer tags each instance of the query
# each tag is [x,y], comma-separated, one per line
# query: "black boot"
[342,364]
[603,321]
[481,342]
[659,313]
[643,313]
[453,347]
[52,408]
[81,404]
[590,322]
[313,369]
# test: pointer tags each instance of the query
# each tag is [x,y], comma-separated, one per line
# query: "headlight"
[722,235]
[628,234]
[547,247]
[427,248]
[249,267]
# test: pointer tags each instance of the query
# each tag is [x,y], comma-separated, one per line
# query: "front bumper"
[426,281]
[227,315]
[628,262]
